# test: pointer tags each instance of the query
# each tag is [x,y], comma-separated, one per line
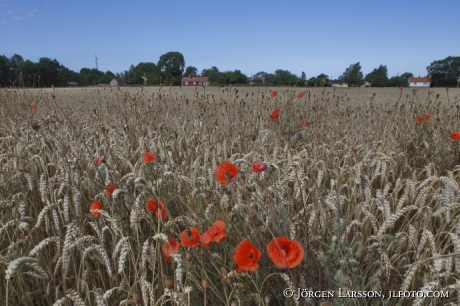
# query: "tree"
[287,78]
[273,79]
[28,74]
[49,71]
[378,77]
[4,70]
[214,75]
[318,81]
[66,75]
[149,69]
[236,77]
[445,72]
[303,76]
[190,71]
[400,80]
[207,72]
[171,66]
[13,63]
[104,78]
[353,75]
[90,76]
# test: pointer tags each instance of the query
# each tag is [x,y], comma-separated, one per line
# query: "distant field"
[265,89]
[363,183]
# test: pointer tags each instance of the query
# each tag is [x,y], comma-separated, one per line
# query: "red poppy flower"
[33,106]
[258,167]
[419,119]
[59,109]
[161,212]
[226,172]
[168,248]
[147,157]
[215,233]
[109,189]
[455,136]
[151,205]
[98,161]
[273,94]
[304,122]
[289,254]
[427,116]
[246,257]
[159,209]
[300,95]
[190,237]
[94,208]
[275,115]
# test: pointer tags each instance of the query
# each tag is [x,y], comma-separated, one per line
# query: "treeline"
[170,68]
[15,71]
[377,77]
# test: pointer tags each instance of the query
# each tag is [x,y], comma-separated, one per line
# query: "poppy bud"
[174,265]
[169,283]
[35,126]
[253,137]
[205,283]
[207,194]
[189,256]
[137,298]
[291,185]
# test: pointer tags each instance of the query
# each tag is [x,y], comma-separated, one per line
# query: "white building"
[116,82]
[336,84]
[419,82]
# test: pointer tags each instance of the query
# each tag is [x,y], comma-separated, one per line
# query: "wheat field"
[371,195]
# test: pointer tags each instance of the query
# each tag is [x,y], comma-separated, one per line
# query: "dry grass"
[374,200]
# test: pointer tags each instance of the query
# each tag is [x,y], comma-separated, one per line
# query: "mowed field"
[209,196]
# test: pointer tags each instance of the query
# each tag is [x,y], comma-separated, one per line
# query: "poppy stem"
[204,296]
[271,233]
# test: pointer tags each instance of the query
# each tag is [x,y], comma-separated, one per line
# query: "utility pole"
[97,68]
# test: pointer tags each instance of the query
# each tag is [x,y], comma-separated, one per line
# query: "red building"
[195,81]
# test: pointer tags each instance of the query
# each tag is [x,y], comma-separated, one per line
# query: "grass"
[372,196]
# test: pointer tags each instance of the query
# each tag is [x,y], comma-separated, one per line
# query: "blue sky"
[252,36]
